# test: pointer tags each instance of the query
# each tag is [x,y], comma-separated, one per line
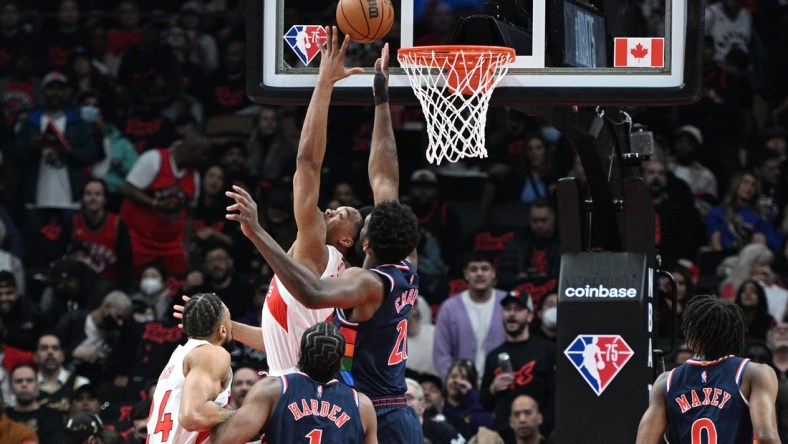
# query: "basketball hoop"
[453,84]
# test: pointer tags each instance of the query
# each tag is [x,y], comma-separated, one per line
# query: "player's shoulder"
[755,370]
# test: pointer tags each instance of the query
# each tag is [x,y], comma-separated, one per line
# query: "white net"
[454,86]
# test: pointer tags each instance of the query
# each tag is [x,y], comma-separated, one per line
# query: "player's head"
[322,348]
[391,232]
[713,327]
[206,317]
[343,226]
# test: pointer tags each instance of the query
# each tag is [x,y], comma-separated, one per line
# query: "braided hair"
[714,327]
[322,348]
[202,315]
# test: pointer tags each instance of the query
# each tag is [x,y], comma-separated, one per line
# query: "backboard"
[569,52]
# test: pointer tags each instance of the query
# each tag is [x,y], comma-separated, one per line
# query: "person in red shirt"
[160,191]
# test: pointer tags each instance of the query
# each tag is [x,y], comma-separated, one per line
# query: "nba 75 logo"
[598,358]
[306,40]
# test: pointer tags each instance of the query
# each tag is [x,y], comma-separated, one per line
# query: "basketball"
[365,20]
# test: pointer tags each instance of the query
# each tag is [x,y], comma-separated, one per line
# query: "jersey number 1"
[164,420]
[315,436]
[400,351]
[701,425]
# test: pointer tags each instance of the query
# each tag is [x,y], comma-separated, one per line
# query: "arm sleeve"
[144,170]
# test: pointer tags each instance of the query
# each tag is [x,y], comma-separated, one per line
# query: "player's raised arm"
[310,245]
[383,164]
[655,421]
[255,412]
[353,288]
[763,396]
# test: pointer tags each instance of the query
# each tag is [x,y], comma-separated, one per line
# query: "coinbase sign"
[599,292]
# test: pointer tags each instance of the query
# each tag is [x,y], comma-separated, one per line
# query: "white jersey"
[285,319]
[163,425]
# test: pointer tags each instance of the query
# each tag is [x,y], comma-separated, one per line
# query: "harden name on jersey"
[319,408]
[711,396]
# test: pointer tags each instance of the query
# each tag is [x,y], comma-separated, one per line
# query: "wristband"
[381,89]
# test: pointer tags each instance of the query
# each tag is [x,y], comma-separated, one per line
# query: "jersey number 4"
[164,420]
[400,352]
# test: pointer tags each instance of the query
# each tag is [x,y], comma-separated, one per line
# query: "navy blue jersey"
[376,349]
[310,412]
[705,405]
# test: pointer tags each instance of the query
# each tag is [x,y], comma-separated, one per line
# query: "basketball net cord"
[454,90]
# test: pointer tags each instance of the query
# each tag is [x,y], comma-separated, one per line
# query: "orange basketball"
[365,20]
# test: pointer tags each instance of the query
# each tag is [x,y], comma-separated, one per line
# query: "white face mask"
[151,285]
[550,317]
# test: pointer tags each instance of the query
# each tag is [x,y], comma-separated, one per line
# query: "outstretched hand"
[177,312]
[246,209]
[332,57]
[380,85]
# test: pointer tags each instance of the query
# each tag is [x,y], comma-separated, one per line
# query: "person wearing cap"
[73,286]
[532,361]
[687,146]
[84,428]
[19,322]
[85,399]
[52,147]
[467,326]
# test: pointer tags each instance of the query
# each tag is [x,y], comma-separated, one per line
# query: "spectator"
[12,431]
[46,422]
[203,50]
[437,432]
[139,423]
[529,175]
[119,153]
[271,153]
[226,92]
[463,409]
[243,380]
[535,253]
[678,226]
[19,323]
[233,160]
[730,25]
[433,396]
[84,428]
[127,32]
[65,36]
[160,190]
[740,219]
[11,262]
[467,325]
[209,224]
[102,341]
[106,235]
[15,39]
[687,147]
[221,278]
[56,383]
[52,147]
[773,191]
[533,356]
[685,291]
[85,399]
[344,196]
[751,298]
[524,421]
[73,286]
[754,262]
[545,323]
[421,339]
[87,80]
[154,300]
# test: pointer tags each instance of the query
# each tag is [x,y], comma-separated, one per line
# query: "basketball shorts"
[399,425]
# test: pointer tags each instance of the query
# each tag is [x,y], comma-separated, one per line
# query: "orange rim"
[472,52]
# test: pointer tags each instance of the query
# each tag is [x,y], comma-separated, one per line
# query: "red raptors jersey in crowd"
[102,243]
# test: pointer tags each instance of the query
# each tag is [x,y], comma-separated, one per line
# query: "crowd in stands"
[123,123]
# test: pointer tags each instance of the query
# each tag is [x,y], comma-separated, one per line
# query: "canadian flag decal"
[639,52]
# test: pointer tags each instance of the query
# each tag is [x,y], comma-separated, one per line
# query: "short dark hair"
[322,349]
[477,256]
[714,327]
[393,232]
[202,314]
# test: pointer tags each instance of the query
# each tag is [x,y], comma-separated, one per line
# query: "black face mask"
[109,324]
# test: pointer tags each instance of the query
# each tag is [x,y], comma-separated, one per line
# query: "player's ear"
[346,242]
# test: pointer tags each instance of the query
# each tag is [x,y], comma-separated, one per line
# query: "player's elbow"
[193,421]
[313,299]
[306,160]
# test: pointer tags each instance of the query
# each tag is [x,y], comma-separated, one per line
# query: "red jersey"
[103,243]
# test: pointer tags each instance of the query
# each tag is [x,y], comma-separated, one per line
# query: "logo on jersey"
[305,41]
[319,392]
[704,377]
[598,358]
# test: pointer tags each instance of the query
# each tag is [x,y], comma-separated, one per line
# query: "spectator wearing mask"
[153,301]
[544,324]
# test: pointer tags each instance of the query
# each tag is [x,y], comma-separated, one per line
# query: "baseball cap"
[429,377]
[423,176]
[82,426]
[693,131]
[776,131]
[54,76]
[64,268]
[7,279]
[89,389]
[520,296]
